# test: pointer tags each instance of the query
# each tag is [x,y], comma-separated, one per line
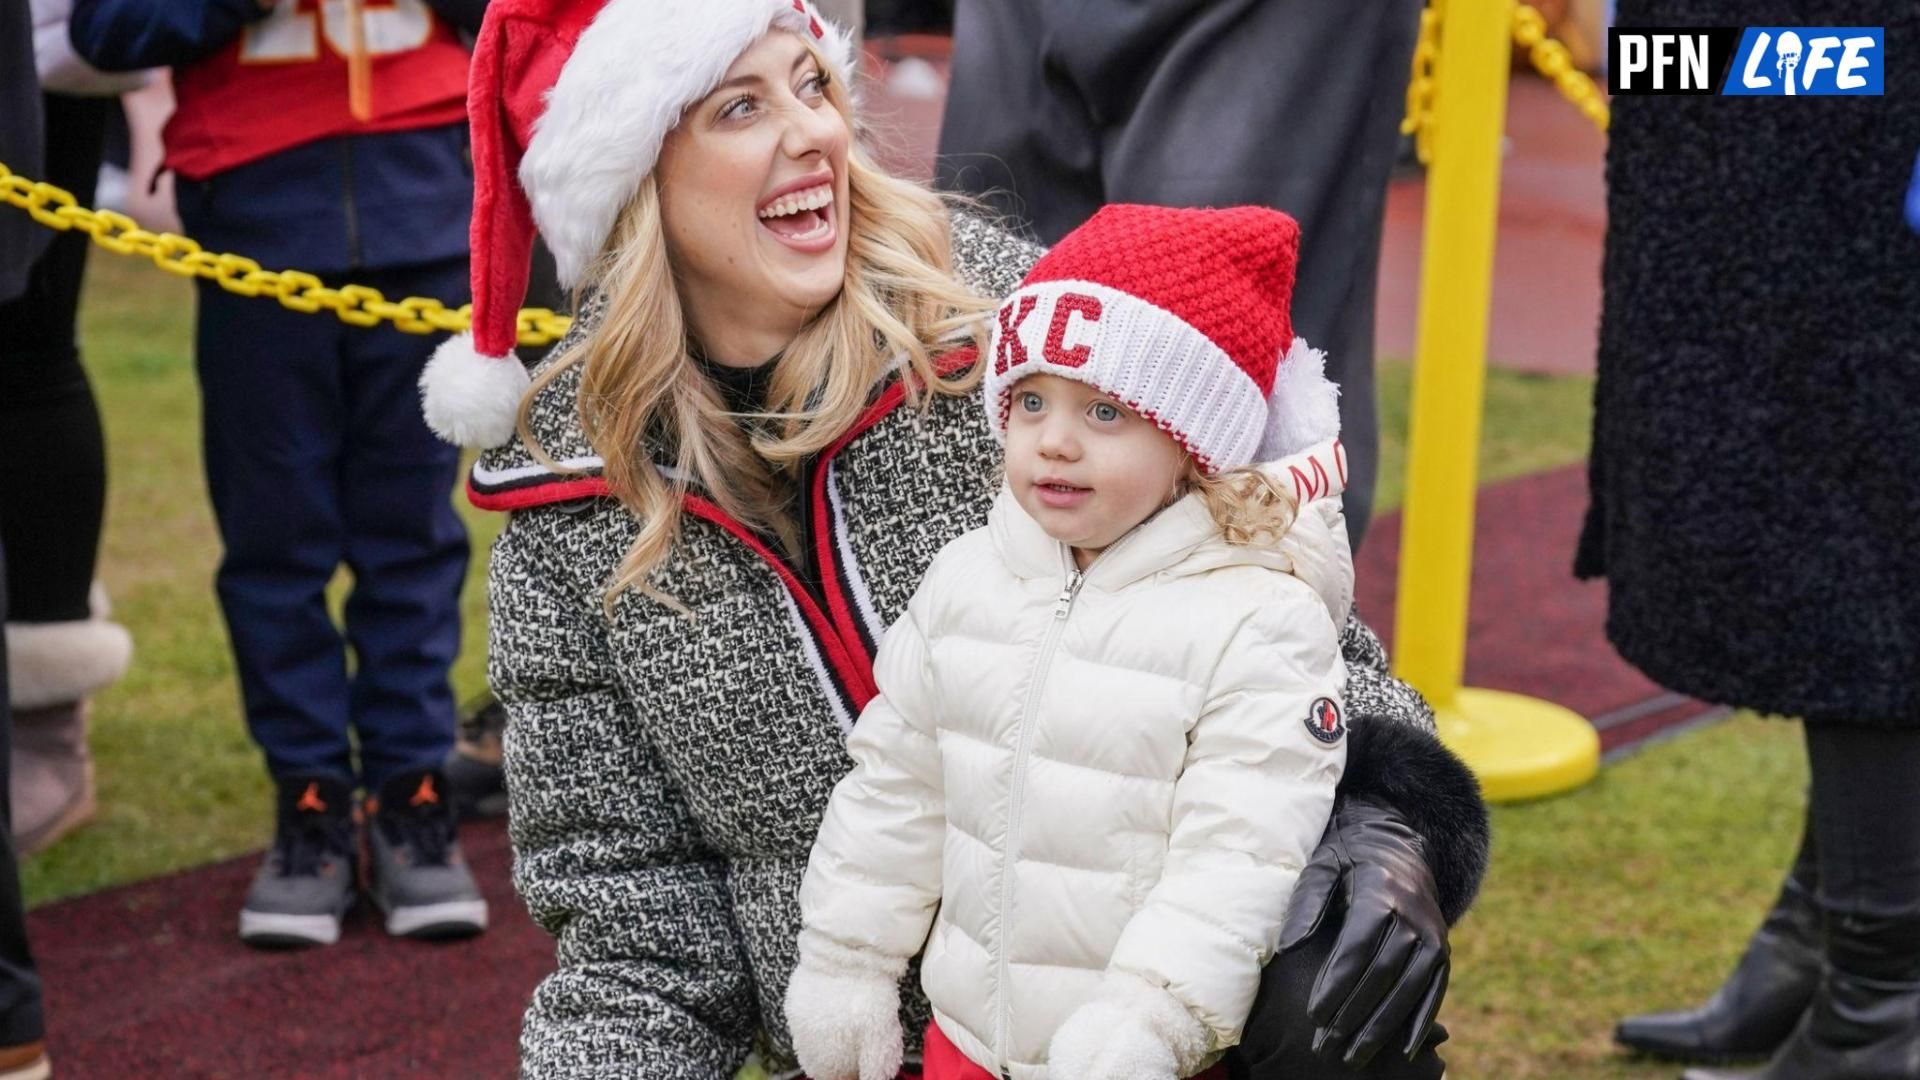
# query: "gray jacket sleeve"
[990,258]
[652,981]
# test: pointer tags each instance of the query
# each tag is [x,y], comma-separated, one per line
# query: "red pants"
[944,1062]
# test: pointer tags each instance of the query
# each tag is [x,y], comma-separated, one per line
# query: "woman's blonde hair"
[641,393]
[1251,507]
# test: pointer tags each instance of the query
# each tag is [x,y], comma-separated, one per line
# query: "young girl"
[1109,726]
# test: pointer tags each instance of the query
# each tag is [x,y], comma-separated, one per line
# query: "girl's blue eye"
[1031,402]
[1105,412]
[816,84]
[737,107]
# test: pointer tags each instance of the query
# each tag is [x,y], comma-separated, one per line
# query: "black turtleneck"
[744,390]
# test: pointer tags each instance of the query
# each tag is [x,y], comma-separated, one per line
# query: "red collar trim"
[853,669]
[560,489]
[554,491]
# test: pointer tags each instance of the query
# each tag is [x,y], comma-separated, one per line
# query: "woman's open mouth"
[802,219]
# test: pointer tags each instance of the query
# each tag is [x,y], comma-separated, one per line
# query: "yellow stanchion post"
[1518,747]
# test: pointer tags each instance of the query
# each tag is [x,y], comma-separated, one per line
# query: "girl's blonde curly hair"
[1251,507]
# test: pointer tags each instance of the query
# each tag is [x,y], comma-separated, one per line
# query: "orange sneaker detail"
[311,800]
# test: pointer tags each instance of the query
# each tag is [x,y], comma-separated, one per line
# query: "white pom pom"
[1304,407]
[471,399]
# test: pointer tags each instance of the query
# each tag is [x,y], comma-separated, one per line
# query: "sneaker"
[305,884]
[475,782]
[416,873]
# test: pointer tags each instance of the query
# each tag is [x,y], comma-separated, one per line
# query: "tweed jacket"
[668,772]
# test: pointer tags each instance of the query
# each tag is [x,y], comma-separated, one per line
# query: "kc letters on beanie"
[569,101]
[1182,315]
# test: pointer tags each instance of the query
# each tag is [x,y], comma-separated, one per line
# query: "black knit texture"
[1756,457]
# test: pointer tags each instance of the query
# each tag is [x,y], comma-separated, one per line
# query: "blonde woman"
[725,484]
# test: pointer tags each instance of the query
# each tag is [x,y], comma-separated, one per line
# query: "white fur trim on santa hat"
[632,74]
[469,398]
[1304,407]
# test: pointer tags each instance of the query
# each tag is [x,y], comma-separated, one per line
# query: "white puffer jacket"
[1105,783]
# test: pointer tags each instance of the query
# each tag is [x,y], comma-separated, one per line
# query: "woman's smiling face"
[753,189]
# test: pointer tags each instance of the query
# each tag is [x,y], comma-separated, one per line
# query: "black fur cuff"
[1407,770]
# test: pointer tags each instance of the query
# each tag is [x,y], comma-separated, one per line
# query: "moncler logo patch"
[1323,720]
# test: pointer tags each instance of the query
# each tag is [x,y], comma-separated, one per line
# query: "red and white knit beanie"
[1183,316]
[569,101]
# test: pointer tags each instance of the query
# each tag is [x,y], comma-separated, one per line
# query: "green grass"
[1633,893]
[1532,423]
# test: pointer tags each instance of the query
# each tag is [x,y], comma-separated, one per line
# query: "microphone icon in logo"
[1788,50]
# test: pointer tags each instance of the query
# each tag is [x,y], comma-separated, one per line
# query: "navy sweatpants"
[317,457]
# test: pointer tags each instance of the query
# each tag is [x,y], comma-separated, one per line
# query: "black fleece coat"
[1756,458]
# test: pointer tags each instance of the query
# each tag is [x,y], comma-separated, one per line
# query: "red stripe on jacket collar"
[569,488]
[890,399]
[855,673]
[556,491]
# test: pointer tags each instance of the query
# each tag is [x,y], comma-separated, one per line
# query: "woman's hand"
[1132,1031]
[1388,971]
[843,1012]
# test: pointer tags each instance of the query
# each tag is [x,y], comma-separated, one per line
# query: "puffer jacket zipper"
[1056,626]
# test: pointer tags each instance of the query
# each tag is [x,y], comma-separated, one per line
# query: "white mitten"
[843,1010]
[1132,1031]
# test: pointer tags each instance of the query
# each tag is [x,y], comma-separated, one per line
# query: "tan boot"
[52,782]
[52,670]
[26,1061]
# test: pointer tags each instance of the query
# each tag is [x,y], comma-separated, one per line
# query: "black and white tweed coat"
[668,773]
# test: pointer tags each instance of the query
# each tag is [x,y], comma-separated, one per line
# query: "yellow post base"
[1519,747]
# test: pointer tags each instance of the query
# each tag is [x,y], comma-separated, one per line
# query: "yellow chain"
[1549,57]
[355,305]
[1421,84]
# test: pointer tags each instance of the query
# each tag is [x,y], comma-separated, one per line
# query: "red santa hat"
[1183,316]
[569,101]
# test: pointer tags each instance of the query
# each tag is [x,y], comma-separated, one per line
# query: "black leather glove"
[1388,971]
